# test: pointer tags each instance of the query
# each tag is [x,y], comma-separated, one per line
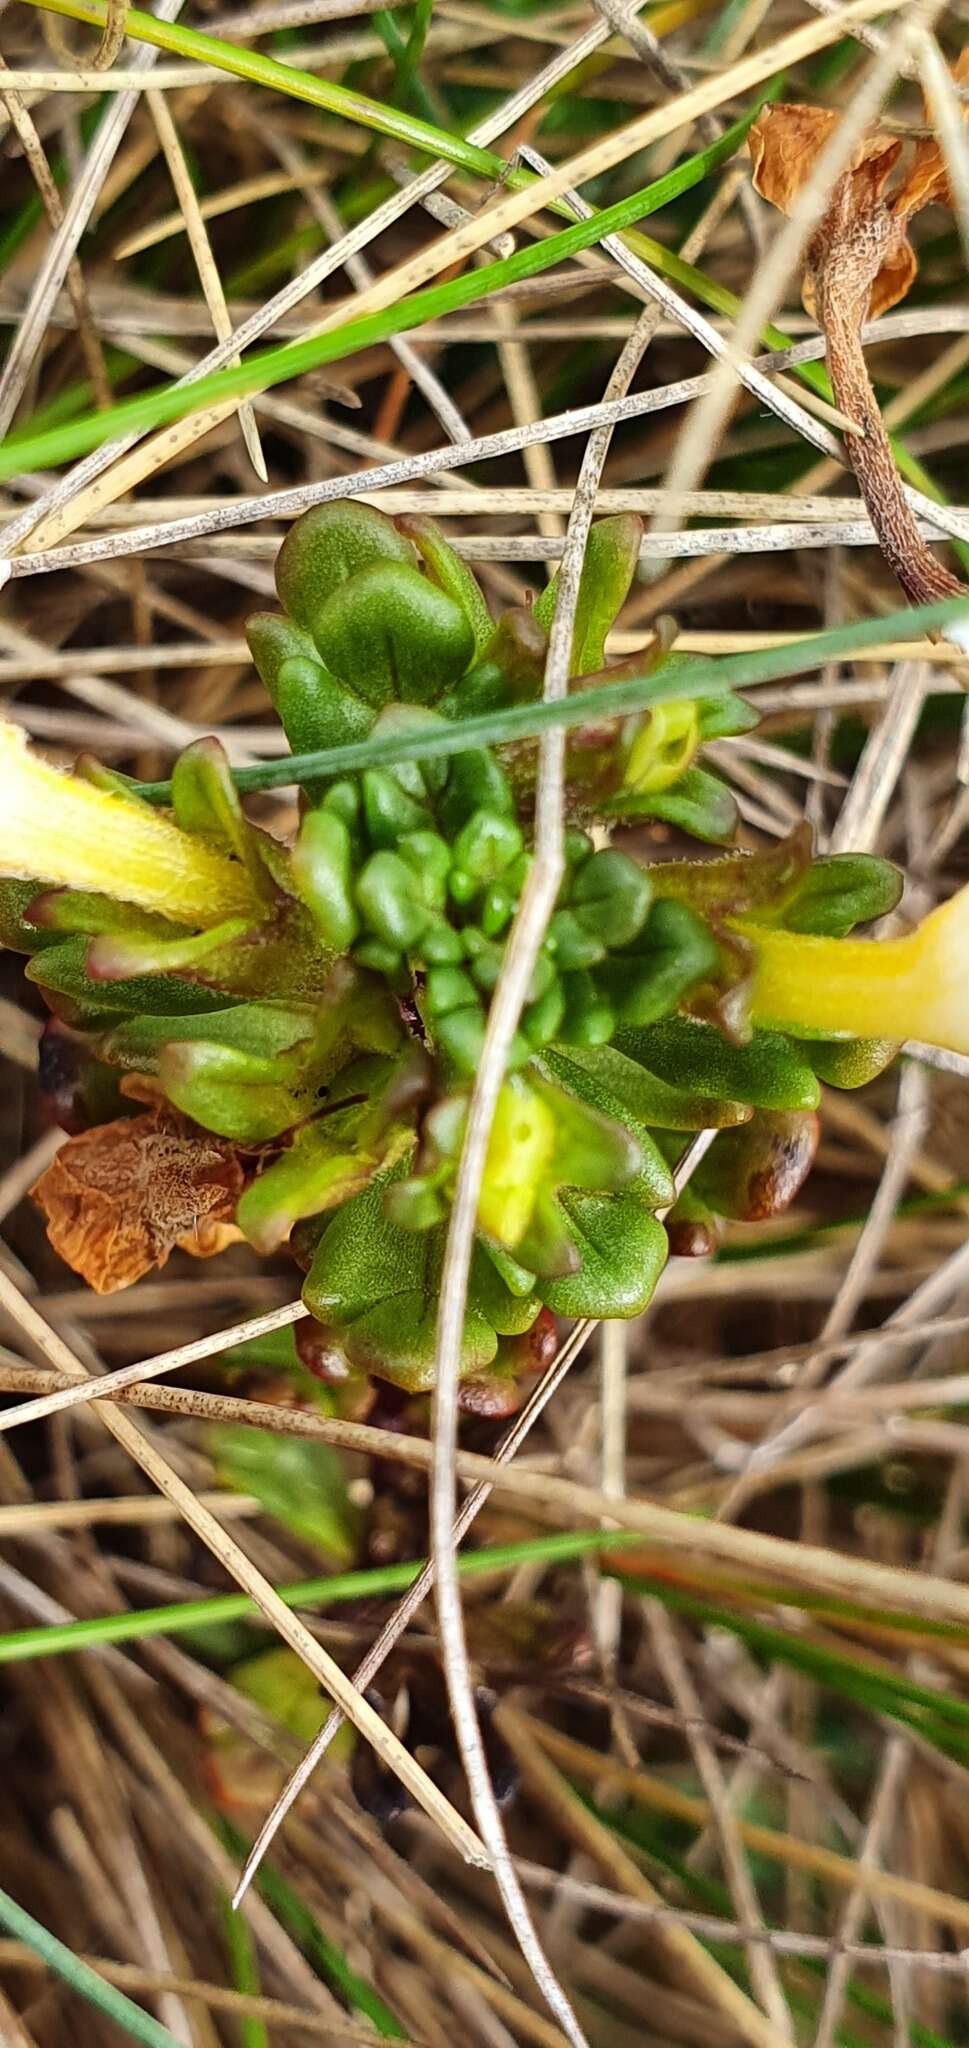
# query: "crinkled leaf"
[118,1198]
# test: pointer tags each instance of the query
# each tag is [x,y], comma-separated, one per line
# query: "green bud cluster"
[328,1018]
[417,879]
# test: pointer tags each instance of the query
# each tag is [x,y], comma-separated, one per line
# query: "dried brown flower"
[117,1199]
[860,262]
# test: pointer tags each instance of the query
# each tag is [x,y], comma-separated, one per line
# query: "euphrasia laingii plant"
[278,1041]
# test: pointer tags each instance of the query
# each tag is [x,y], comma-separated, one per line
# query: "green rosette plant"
[278,1041]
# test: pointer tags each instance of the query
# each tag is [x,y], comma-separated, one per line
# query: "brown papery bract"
[118,1199]
[860,262]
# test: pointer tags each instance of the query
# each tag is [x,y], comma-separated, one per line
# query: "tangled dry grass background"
[741,1808]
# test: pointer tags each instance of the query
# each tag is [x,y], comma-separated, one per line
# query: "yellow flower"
[57,828]
[519,1150]
[913,987]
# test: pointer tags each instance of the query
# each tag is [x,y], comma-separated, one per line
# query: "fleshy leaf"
[328,545]
[234,1093]
[315,1174]
[611,557]
[767,1073]
[622,1252]
[393,636]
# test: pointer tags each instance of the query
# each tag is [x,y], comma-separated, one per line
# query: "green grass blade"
[138,2025]
[244,1969]
[940,1717]
[706,677]
[272,366]
[557,1548]
[328,1960]
[259,69]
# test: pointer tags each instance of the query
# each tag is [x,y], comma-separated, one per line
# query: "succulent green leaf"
[849,1062]
[389,899]
[391,635]
[699,803]
[622,1251]
[61,971]
[314,1175]
[265,1029]
[611,557]
[323,870]
[620,1086]
[236,1094]
[610,897]
[768,1072]
[672,956]
[300,1483]
[329,544]
[119,955]
[579,1077]
[446,569]
[840,891]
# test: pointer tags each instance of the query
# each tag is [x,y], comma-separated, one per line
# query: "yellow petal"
[914,987]
[57,828]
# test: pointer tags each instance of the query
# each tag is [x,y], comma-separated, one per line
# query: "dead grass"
[711,1842]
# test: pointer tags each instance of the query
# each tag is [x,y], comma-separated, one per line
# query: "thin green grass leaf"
[244,1970]
[138,2025]
[705,677]
[260,372]
[332,1591]
[328,1960]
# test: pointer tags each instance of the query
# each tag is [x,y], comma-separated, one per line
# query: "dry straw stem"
[210,1532]
[681,1948]
[917,1595]
[283,504]
[98,1389]
[531,921]
[205,263]
[413,1600]
[464,241]
[590,1767]
[33,149]
[63,244]
[241,2005]
[64,506]
[679,1684]
[821,179]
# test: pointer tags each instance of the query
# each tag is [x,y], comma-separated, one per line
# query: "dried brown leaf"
[117,1199]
